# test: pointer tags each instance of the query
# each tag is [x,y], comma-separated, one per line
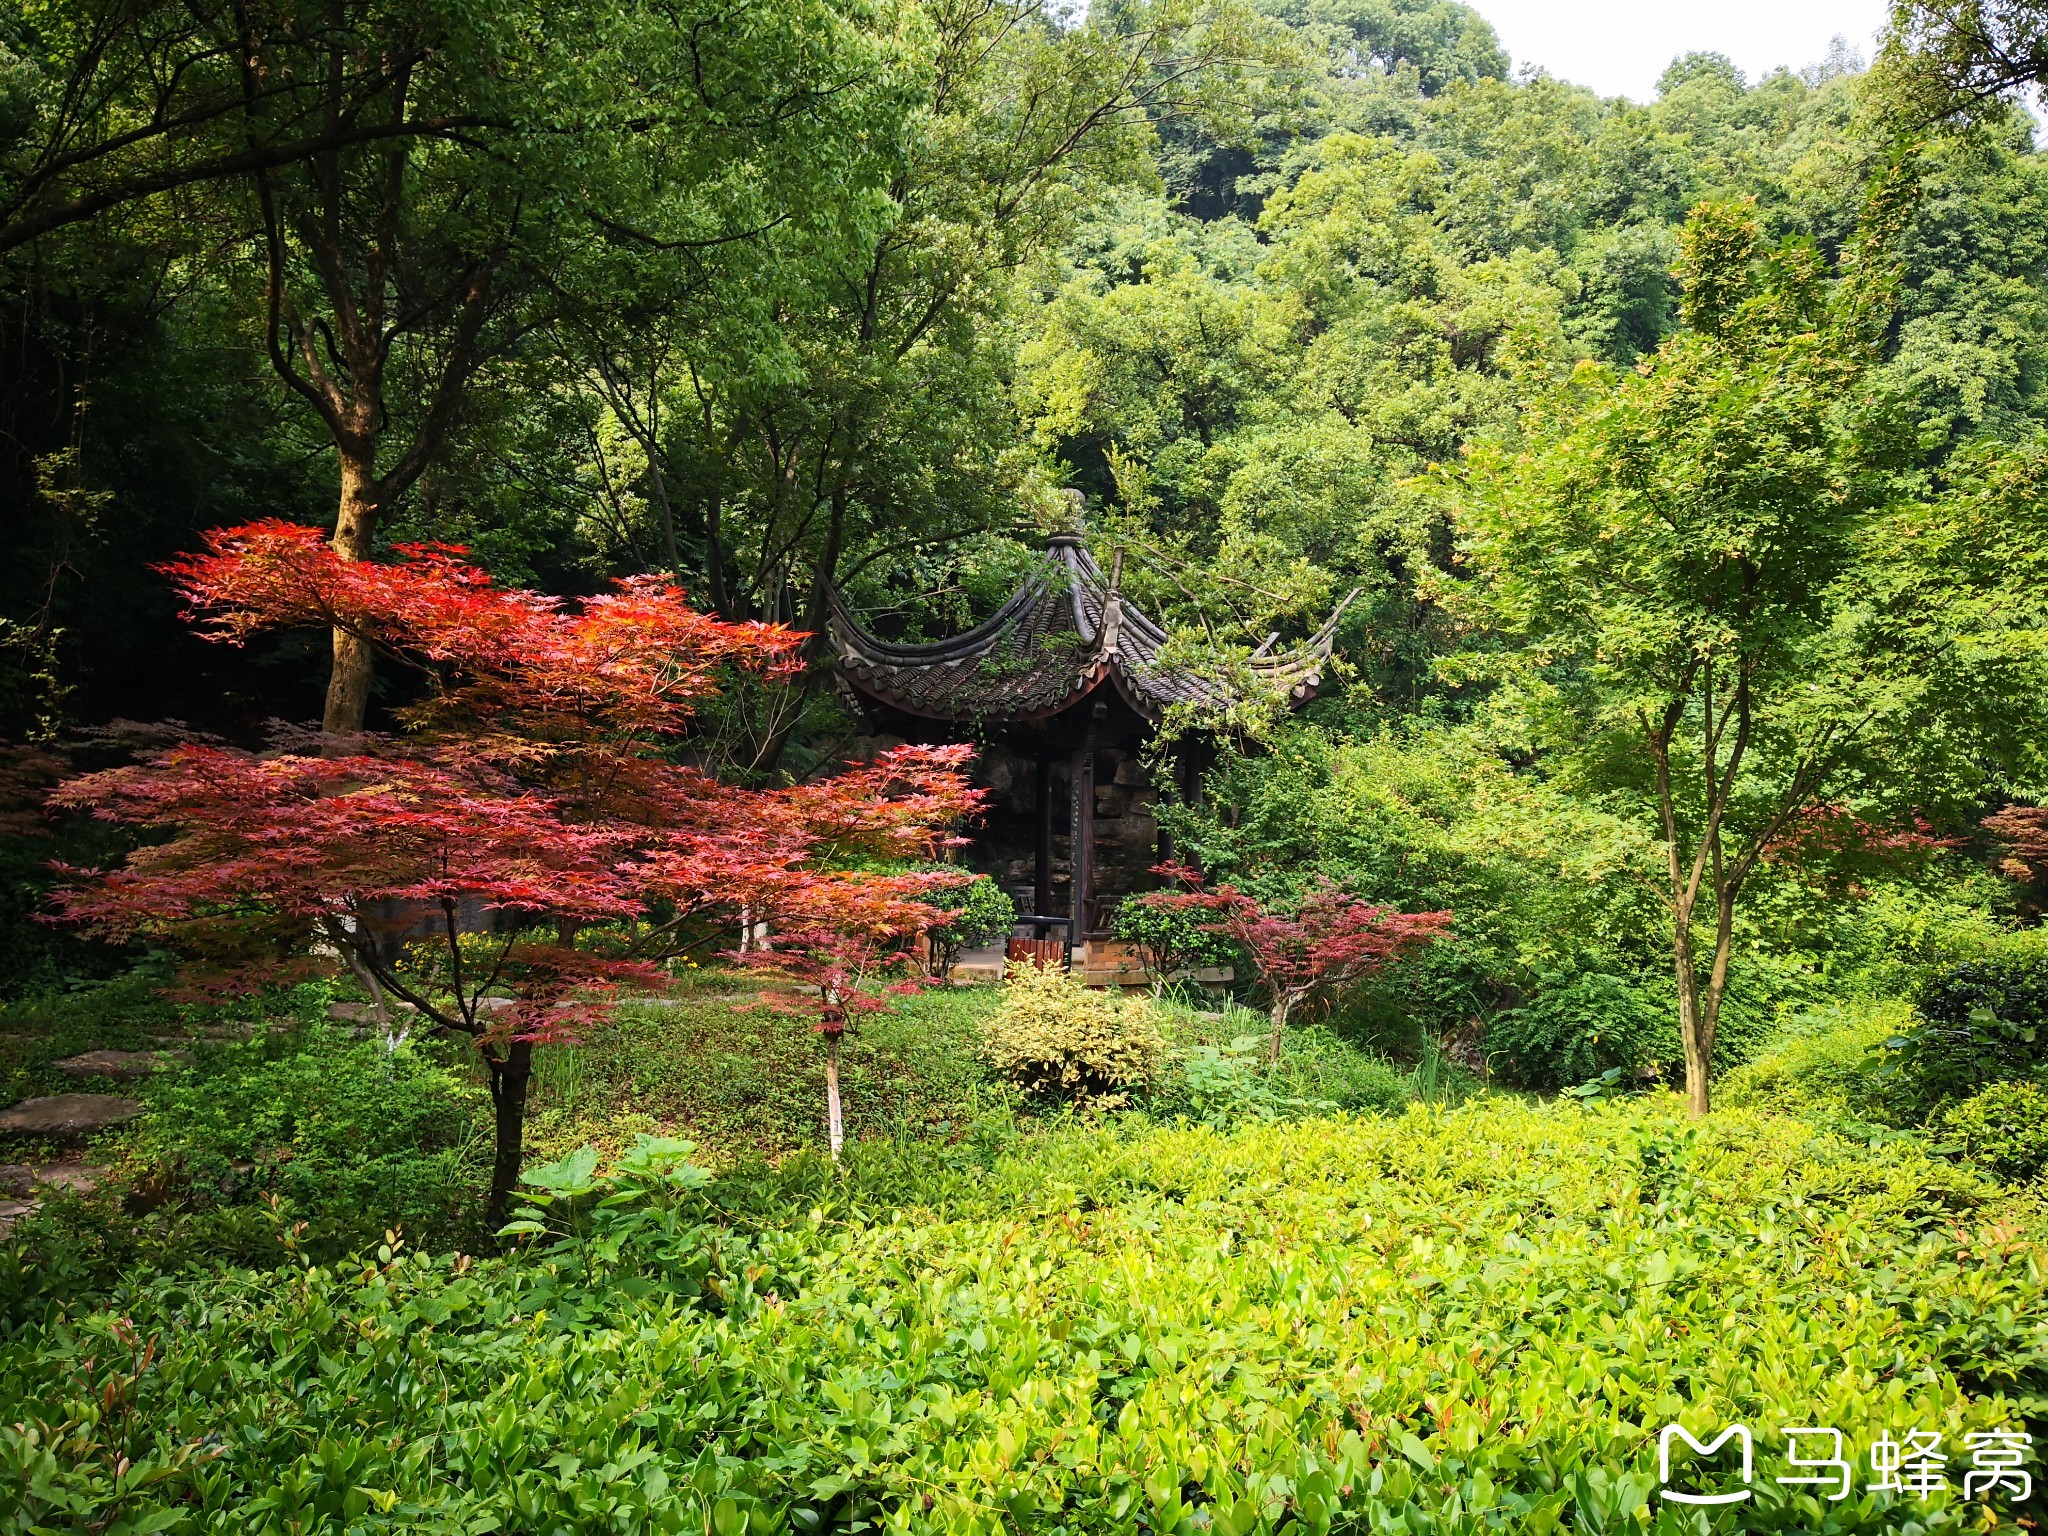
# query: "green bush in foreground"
[1460,1322]
[1578,1027]
[1171,941]
[2005,1128]
[1226,1083]
[982,913]
[356,1136]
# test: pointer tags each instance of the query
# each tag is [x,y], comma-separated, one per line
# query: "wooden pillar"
[1165,845]
[1084,826]
[1188,768]
[1041,874]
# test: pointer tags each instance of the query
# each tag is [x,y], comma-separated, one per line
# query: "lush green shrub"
[1983,1021]
[2005,1128]
[1320,1073]
[982,913]
[1051,1034]
[1830,1063]
[1456,1322]
[352,1137]
[1578,1027]
[1171,941]
[1320,1064]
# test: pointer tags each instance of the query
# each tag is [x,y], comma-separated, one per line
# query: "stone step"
[363,1013]
[216,1034]
[122,1066]
[22,1187]
[68,1116]
[21,1180]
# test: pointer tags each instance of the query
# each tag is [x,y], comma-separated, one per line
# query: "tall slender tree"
[877,424]
[1679,550]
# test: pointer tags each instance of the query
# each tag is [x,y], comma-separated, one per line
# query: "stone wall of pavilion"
[1004,847]
[1126,828]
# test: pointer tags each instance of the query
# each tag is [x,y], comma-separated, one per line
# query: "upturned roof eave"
[1118,643]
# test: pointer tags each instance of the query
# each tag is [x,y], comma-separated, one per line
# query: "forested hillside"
[1238,275]
[846,301]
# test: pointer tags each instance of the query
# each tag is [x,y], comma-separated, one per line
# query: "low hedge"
[1457,1322]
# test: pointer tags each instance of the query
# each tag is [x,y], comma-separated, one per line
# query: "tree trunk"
[658,483]
[1281,1008]
[1692,1027]
[348,684]
[1694,1040]
[714,558]
[835,1127]
[1707,1009]
[510,1076]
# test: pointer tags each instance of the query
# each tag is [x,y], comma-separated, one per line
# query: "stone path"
[121,1066]
[68,1116]
[21,1184]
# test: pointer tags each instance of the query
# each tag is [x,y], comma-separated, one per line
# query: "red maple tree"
[838,939]
[2021,834]
[1326,944]
[536,789]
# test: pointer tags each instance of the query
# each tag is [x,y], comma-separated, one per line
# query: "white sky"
[1619,49]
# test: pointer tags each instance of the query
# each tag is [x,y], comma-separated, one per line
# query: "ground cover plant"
[1447,1321]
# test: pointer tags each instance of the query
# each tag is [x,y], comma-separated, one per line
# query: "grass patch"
[745,1081]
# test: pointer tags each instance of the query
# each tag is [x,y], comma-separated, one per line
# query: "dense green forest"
[1679,469]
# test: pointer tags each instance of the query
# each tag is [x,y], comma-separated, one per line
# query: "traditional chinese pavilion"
[1061,690]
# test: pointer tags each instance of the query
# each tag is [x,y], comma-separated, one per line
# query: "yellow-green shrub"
[1827,1064]
[2005,1128]
[1052,1035]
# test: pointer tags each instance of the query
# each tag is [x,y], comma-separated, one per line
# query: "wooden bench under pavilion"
[1061,690]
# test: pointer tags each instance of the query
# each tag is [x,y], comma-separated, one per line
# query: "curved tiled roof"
[1061,635]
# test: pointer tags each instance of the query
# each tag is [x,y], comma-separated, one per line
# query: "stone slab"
[79,1178]
[66,1115]
[122,1066]
[19,1181]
